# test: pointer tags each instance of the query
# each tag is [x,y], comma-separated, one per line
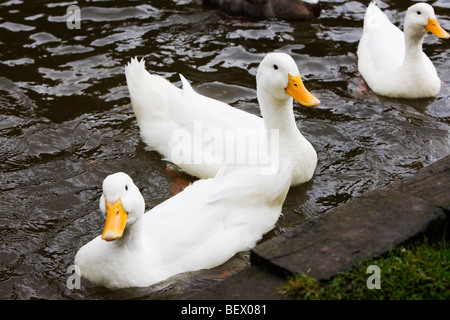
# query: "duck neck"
[278,114]
[413,45]
[132,236]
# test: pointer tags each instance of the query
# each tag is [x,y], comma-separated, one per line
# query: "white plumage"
[199,228]
[165,112]
[391,61]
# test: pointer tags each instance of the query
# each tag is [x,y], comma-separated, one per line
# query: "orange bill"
[434,27]
[297,90]
[116,218]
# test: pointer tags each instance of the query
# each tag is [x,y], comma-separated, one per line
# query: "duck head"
[279,77]
[421,18]
[121,203]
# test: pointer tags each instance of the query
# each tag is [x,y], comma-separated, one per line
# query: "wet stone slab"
[431,183]
[365,227]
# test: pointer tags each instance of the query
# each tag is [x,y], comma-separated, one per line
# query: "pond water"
[66,121]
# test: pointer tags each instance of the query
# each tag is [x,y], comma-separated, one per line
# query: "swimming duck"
[281,9]
[201,227]
[200,134]
[392,62]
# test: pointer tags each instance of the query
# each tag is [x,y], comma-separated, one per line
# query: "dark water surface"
[66,121]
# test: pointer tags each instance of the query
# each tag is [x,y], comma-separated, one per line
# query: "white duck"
[199,228]
[198,133]
[392,62]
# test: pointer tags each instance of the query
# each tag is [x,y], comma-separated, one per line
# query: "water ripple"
[66,120]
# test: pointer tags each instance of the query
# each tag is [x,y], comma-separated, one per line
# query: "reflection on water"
[66,121]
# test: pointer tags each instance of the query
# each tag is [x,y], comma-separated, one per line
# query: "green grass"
[420,271]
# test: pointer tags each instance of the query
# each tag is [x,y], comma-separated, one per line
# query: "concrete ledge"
[431,183]
[365,227]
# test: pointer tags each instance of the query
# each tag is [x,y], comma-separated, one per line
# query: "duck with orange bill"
[172,120]
[199,228]
[392,62]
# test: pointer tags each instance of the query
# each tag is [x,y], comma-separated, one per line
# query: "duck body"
[200,134]
[199,228]
[391,61]
[281,9]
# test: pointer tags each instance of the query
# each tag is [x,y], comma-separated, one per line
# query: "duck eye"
[126,187]
[275,67]
[418,12]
